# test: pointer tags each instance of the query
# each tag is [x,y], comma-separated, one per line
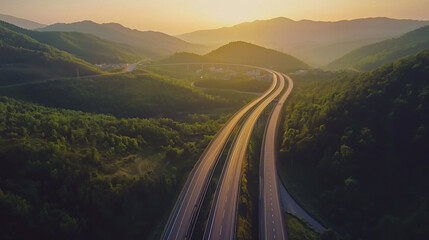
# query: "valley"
[267,129]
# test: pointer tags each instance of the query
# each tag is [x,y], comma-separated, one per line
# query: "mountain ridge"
[240,52]
[315,42]
[374,55]
[85,46]
[21,22]
[153,44]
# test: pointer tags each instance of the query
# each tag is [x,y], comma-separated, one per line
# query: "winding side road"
[129,68]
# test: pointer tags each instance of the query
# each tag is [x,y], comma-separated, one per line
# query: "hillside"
[151,44]
[371,56]
[85,46]
[316,42]
[136,94]
[20,22]
[354,149]
[22,58]
[244,53]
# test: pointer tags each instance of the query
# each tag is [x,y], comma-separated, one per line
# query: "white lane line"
[220,232]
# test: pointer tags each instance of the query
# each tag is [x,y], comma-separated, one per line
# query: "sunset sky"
[180,16]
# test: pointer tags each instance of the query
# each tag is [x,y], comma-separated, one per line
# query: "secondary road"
[271,218]
[292,207]
[183,217]
[222,220]
[129,68]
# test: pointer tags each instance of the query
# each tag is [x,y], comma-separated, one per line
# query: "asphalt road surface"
[185,212]
[222,220]
[271,218]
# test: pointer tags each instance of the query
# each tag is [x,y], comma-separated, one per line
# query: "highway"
[271,218]
[222,220]
[185,212]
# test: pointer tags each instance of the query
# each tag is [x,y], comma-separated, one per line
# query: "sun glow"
[180,16]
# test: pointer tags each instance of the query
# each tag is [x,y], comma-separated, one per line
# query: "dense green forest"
[374,55]
[22,59]
[85,46]
[354,149]
[137,94]
[71,175]
[244,53]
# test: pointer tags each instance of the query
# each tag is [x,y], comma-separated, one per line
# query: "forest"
[371,56]
[63,173]
[354,149]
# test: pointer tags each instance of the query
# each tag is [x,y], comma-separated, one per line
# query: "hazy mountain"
[316,42]
[244,53]
[86,46]
[22,58]
[153,44]
[375,55]
[20,22]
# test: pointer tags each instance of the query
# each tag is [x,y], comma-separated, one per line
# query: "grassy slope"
[371,56]
[241,83]
[183,57]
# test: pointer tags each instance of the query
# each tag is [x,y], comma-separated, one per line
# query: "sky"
[181,16]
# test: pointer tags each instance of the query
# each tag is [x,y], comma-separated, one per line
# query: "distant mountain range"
[244,53]
[372,56]
[315,42]
[152,44]
[20,22]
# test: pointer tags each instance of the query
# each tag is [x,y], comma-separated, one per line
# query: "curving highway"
[223,214]
[271,218]
[185,212]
